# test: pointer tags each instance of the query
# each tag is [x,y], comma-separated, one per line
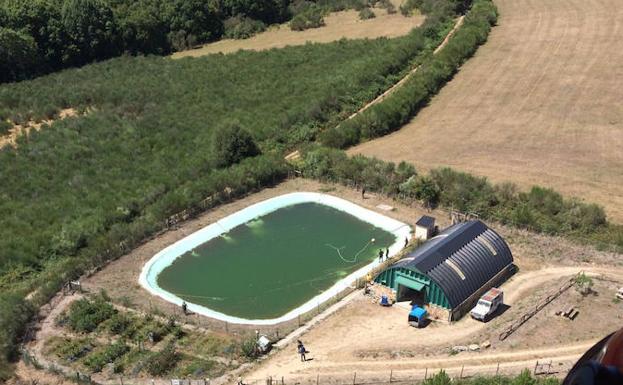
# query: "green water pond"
[275,263]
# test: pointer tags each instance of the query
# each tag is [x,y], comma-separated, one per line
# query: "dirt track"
[540,103]
[337,356]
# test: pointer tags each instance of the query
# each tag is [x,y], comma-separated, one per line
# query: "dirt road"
[344,344]
[539,103]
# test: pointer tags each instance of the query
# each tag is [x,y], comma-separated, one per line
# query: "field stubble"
[538,104]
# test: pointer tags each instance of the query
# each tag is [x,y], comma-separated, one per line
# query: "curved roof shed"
[460,261]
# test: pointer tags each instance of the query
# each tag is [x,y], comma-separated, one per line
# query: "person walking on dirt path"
[363,193]
[185,308]
[302,351]
[380,255]
[406,242]
[386,253]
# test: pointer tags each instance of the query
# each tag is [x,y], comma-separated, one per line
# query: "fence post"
[355,378]
[282,382]
[317,378]
[461,376]
[426,374]
[391,372]
[498,369]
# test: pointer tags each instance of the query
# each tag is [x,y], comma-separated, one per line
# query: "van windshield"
[482,302]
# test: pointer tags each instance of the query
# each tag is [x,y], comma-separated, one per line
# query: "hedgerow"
[402,104]
[539,209]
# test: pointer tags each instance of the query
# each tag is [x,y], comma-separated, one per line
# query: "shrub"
[5,126]
[249,349]
[84,315]
[242,27]
[312,17]
[366,13]
[109,354]
[160,363]
[231,144]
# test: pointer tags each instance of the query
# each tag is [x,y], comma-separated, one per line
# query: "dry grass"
[18,130]
[540,103]
[345,24]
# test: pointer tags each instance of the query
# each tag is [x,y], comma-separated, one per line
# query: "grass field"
[344,24]
[538,104]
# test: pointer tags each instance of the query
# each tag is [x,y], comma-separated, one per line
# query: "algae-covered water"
[275,263]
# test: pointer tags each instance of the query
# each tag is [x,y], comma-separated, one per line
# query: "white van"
[487,304]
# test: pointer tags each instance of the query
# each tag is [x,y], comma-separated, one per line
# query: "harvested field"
[538,104]
[344,24]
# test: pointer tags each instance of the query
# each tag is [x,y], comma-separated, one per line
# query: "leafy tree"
[18,55]
[195,20]
[90,29]
[268,11]
[231,144]
[142,27]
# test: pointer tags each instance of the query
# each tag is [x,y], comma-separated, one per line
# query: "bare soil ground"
[540,103]
[24,129]
[344,24]
[361,337]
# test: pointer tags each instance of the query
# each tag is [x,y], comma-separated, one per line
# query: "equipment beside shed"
[417,317]
[424,228]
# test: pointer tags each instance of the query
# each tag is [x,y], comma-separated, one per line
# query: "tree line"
[402,104]
[43,36]
[539,209]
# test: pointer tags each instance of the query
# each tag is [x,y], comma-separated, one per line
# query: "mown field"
[338,25]
[540,103]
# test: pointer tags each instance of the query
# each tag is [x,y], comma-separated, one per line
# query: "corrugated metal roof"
[474,254]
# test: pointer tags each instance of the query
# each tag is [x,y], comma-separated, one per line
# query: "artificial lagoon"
[273,260]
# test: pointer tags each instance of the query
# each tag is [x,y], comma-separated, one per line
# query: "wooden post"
[461,376]
[535,366]
[355,378]
[391,372]
[498,369]
[317,378]
[426,374]
[282,383]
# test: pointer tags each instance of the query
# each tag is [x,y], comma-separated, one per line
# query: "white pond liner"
[160,261]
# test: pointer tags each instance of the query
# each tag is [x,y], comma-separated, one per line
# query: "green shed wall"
[434,294]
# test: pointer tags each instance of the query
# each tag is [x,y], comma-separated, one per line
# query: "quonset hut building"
[448,273]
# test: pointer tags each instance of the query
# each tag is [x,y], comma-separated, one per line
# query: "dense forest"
[42,36]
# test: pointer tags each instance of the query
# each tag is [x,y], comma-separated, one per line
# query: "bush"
[366,13]
[109,354]
[160,363]
[231,144]
[84,315]
[249,349]
[242,27]
[5,126]
[313,17]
